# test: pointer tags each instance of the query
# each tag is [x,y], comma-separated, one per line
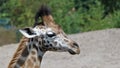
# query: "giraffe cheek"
[34,59]
[37,66]
[29,62]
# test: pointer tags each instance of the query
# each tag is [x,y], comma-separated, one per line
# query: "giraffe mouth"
[73,52]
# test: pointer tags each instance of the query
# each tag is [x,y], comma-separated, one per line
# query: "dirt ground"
[99,49]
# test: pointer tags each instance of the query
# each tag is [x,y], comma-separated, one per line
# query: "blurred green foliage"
[73,15]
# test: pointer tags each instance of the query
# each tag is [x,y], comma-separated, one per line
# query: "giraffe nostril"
[75,44]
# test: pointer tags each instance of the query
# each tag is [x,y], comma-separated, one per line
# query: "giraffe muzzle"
[74,49]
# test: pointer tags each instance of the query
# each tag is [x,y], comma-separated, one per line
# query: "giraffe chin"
[73,52]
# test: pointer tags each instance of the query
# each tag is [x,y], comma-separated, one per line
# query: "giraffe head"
[50,36]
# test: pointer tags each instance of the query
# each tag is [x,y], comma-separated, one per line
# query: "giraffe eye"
[51,34]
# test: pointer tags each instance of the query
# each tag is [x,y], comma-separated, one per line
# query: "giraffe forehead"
[39,31]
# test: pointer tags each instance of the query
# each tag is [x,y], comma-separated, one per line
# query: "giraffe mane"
[43,11]
[47,19]
[18,52]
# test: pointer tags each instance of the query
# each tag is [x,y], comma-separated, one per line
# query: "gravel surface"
[99,49]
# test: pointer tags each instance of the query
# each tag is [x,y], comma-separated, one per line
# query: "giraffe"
[42,37]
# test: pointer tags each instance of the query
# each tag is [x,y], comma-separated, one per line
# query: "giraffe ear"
[28,32]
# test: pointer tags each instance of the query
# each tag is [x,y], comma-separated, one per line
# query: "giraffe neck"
[29,56]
